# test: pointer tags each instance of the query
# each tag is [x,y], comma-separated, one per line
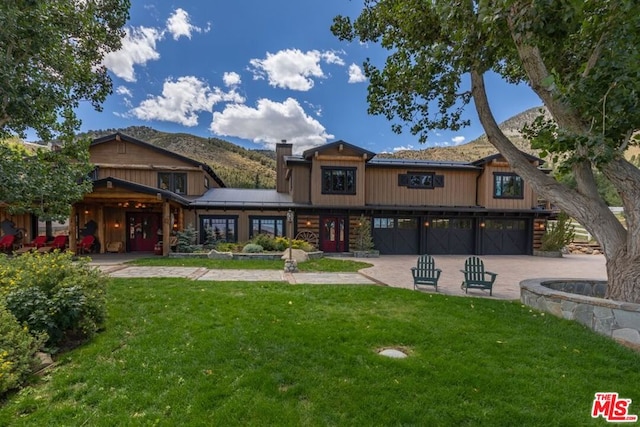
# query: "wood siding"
[135,163]
[319,199]
[383,189]
[485,190]
[299,184]
[242,221]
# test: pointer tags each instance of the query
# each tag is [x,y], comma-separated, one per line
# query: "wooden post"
[102,227]
[73,228]
[166,228]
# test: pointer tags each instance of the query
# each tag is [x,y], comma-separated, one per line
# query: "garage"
[450,236]
[505,236]
[396,236]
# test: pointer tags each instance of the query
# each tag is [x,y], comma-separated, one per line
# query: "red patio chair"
[59,242]
[36,243]
[86,244]
[6,243]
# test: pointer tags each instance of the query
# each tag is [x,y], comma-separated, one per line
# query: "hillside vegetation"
[235,165]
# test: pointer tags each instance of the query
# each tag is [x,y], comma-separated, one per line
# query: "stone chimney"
[282,149]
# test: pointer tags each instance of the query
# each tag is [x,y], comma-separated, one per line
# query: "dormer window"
[338,180]
[173,181]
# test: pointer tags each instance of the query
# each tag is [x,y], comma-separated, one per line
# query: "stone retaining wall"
[580,300]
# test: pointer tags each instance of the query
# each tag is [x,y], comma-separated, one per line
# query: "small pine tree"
[186,240]
[364,239]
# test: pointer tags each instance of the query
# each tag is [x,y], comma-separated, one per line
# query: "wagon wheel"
[309,237]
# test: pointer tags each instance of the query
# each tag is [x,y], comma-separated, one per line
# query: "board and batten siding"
[299,184]
[319,199]
[149,177]
[485,190]
[383,189]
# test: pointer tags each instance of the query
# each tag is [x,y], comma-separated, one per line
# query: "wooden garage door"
[396,235]
[450,236]
[505,237]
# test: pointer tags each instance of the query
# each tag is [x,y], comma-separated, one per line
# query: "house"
[143,192]
[415,207]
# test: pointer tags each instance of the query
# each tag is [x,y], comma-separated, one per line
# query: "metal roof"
[243,197]
[421,163]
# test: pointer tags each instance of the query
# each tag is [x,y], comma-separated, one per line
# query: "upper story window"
[173,181]
[507,186]
[420,180]
[338,180]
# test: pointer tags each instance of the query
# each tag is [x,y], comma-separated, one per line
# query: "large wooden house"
[142,193]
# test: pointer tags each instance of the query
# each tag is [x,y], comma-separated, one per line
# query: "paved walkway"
[390,270]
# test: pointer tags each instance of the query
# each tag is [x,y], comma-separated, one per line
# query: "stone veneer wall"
[581,300]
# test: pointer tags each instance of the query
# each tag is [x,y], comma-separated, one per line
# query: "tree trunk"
[623,272]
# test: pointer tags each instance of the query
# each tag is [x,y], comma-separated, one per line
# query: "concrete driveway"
[395,270]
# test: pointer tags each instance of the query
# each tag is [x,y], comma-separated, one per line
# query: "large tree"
[581,57]
[52,53]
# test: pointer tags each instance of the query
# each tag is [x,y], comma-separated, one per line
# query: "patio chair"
[475,276]
[425,273]
[59,242]
[86,244]
[6,243]
[35,244]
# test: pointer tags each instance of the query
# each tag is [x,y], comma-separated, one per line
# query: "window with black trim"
[218,227]
[420,180]
[507,186]
[270,225]
[173,181]
[338,180]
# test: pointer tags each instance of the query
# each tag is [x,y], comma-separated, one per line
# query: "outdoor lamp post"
[290,265]
[290,229]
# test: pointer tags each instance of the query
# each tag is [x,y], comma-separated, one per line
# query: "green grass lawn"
[181,352]
[313,265]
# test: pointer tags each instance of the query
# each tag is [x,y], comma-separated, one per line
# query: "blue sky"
[256,72]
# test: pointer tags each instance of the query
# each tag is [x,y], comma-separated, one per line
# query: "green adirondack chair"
[425,272]
[475,276]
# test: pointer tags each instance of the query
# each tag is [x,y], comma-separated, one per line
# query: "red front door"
[142,231]
[332,234]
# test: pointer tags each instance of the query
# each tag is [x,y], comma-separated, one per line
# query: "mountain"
[235,165]
[479,147]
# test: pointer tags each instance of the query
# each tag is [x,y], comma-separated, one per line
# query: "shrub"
[558,235]
[363,237]
[252,248]
[267,242]
[17,351]
[51,294]
[186,240]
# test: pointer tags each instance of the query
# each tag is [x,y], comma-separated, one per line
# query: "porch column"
[101,229]
[73,228]
[166,228]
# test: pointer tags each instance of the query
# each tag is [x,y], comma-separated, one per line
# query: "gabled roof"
[492,157]
[131,140]
[145,189]
[308,154]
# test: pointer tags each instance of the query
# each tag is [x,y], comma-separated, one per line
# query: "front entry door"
[332,234]
[142,231]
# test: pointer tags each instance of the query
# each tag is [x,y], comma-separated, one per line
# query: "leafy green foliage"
[52,294]
[17,350]
[252,248]
[558,234]
[279,244]
[52,59]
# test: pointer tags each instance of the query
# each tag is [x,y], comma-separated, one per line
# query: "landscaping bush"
[252,248]
[51,294]
[267,242]
[186,240]
[558,235]
[279,244]
[17,351]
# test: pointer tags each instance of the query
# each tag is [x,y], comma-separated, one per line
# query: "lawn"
[312,265]
[181,352]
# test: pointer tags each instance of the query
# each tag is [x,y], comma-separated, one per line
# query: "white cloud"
[179,25]
[292,68]
[269,123]
[138,47]
[331,57]
[355,74]
[402,148]
[124,91]
[182,100]
[231,79]
[457,140]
